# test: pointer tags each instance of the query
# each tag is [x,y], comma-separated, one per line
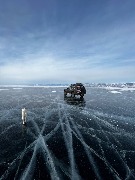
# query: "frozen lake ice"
[67,138]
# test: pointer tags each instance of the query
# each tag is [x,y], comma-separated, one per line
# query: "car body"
[75,89]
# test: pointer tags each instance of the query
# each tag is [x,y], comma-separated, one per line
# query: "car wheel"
[82,95]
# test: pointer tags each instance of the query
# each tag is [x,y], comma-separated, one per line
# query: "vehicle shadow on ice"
[77,101]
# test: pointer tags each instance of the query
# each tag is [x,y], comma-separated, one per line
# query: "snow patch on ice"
[115,92]
[3,89]
[112,88]
[17,88]
[128,89]
[53,91]
[120,88]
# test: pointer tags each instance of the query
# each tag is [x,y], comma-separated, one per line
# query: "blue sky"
[57,41]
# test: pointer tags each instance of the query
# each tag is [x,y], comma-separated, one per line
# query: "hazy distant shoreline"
[102,85]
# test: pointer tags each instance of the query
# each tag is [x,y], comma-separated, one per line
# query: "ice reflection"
[78,101]
[24,131]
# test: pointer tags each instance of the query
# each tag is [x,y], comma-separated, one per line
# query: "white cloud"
[53,69]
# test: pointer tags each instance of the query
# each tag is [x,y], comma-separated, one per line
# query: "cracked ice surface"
[71,138]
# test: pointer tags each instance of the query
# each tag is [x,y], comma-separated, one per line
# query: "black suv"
[75,89]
